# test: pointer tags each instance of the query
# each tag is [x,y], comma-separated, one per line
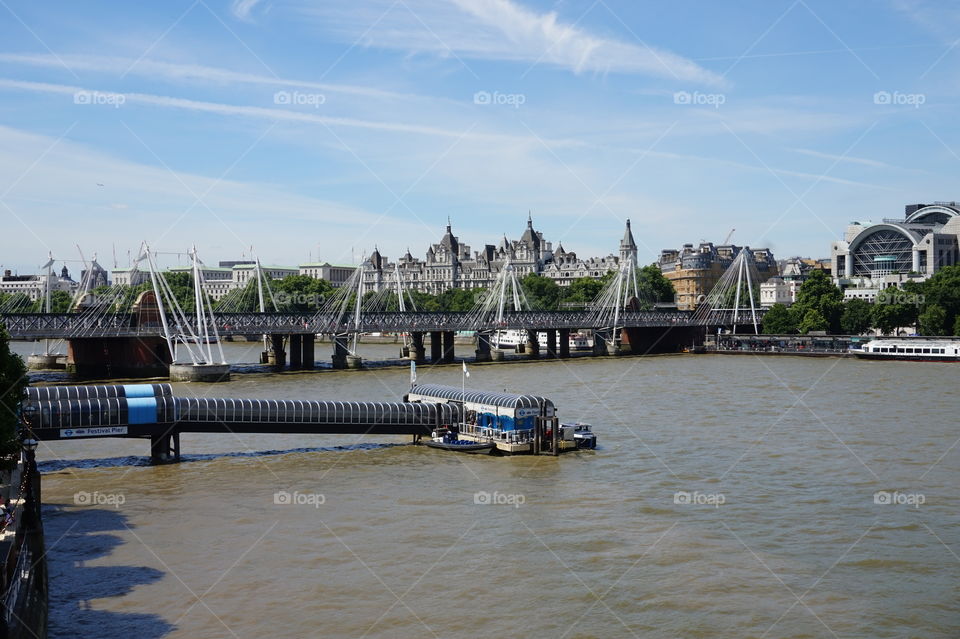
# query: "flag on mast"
[466,373]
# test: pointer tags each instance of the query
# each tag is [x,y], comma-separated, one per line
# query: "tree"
[542,292]
[819,293]
[299,293]
[582,291]
[181,284]
[933,320]
[13,382]
[943,289]
[458,299]
[894,308]
[60,302]
[856,318]
[813,321]
[654,286]
[779,321]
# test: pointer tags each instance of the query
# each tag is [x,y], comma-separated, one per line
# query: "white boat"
[510,339]
[582,434]
[918,350]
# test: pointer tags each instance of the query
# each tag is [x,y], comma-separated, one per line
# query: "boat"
[447,439]
[512,338]
[912,349]
[580,341]
[583,434]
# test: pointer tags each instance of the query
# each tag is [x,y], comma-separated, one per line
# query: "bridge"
[77,325]
[147,341]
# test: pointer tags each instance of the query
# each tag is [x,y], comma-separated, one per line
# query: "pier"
[152,412]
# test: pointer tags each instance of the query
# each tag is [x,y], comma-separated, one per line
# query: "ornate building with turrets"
[451,264]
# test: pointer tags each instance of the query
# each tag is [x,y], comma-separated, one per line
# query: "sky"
[302,130]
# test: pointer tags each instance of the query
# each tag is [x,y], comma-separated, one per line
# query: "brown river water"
[730,496]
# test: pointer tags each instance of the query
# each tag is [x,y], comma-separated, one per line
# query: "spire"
[530,237]
[628,248]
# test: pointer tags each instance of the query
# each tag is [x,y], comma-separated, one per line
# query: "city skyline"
[302,128]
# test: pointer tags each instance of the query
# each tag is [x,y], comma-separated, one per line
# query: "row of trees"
[300,293]
[933,307]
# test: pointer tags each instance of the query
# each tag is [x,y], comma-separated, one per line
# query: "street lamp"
[29,412]
[33,478]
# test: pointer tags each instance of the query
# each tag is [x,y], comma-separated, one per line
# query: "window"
[926,350]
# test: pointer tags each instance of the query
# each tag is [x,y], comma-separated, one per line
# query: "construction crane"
[729,235]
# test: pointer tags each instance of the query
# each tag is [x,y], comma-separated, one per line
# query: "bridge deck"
[73,325]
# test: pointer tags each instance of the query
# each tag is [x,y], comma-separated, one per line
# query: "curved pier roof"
[455,393]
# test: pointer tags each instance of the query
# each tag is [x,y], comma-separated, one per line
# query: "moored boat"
[913,349]
[447,439]
[582,434]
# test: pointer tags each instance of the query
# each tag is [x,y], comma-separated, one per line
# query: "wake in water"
[56,465]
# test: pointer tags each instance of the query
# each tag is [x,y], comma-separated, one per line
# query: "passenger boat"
[918,350]
[447,439]
[510,339]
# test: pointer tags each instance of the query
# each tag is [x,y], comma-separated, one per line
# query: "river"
[728,497]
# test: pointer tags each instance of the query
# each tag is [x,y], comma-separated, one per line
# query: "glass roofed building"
[873,255]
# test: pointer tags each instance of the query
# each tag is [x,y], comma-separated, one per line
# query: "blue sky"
[311,129]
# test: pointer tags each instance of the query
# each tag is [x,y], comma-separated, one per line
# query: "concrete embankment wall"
[23,565]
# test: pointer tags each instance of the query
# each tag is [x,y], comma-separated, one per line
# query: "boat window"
[926,350]
[909,350]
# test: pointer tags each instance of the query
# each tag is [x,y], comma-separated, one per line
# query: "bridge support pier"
[533,343]
[483,347]
[308,356]
[165,448]
[276,356]
[448,349]
[436,347]
[604,343]
[340,350]
[296,351]
[105,357]
[564,343]
[416,347]
[552,344]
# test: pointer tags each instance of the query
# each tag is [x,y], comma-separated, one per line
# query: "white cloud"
[241,9]
[501,30]
[243,111]
[845,158]
[179,72]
